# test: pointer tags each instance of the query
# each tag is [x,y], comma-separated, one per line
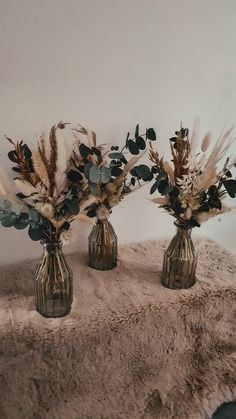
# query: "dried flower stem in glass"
[180,261]
[54,288]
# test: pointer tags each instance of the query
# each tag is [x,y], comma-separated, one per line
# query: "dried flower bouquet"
[109,174]
[47,201]
[192,187]
[193,190]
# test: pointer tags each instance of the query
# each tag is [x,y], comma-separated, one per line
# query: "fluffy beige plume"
[207,179]
[162,200]
[206,142]
[222,145]
[204,216]
[115,197]
[103,212]
[67,236]
[25,187]
[131,163]
[195,135]
[169,171]
[40,168]
[5,189]
[220,148]
[91,135]
[188,213]
[62,160]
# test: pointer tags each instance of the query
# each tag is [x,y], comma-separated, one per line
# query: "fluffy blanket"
[130,349]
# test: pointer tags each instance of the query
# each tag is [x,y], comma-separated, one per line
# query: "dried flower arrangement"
[193,188]
[111,174]
[47,201]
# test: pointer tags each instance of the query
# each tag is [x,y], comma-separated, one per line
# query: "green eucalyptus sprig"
[110,175]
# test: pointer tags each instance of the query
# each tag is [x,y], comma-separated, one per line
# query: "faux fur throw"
[130,349]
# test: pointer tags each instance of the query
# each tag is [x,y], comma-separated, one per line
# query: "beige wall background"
[110,64]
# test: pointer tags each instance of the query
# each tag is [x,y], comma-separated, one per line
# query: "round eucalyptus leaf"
[34,218]
[133,180]
[133,171]
[22,222]
[93,188]
[133,148]
[16,169]
[116,155]
[97,151]
[94,174]
[36,233]
[151,135]
[72,205]
[7,206]
[154,186]
[12,156]
[27,152]
[84,150]
[143,171]
[123,160]
[74,176]
[168,190]
[105,174]
[163,187]
[230,186]
[141,143]
[9,220]
[87,168]
[116,171]
[91,213]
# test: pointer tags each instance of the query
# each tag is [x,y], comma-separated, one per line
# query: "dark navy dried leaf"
[141,143]
[151,135]
[133,148]
[84,150]
[154,187]
[74,176]
[12,156]
[230,186]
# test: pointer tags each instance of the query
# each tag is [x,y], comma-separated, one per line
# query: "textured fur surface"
[130,349]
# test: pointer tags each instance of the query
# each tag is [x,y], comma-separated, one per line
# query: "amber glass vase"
[180,261]
[54,289]
[102,246]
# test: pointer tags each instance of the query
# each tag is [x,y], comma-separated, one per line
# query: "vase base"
[54,315]
[102,268]
[177,285]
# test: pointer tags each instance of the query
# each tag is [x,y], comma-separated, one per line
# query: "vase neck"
[103,214]
[183,232]
[49,247]
[103,221]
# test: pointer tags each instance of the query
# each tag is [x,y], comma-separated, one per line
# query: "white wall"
[111,64]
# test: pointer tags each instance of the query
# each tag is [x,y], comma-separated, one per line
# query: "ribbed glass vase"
[180,261]
[103,246]
[54,283]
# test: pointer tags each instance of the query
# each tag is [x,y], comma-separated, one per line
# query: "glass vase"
[103,246]
[54,286]
[180,261]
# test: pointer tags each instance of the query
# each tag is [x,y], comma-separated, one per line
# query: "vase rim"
[50,243]
[182,226]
